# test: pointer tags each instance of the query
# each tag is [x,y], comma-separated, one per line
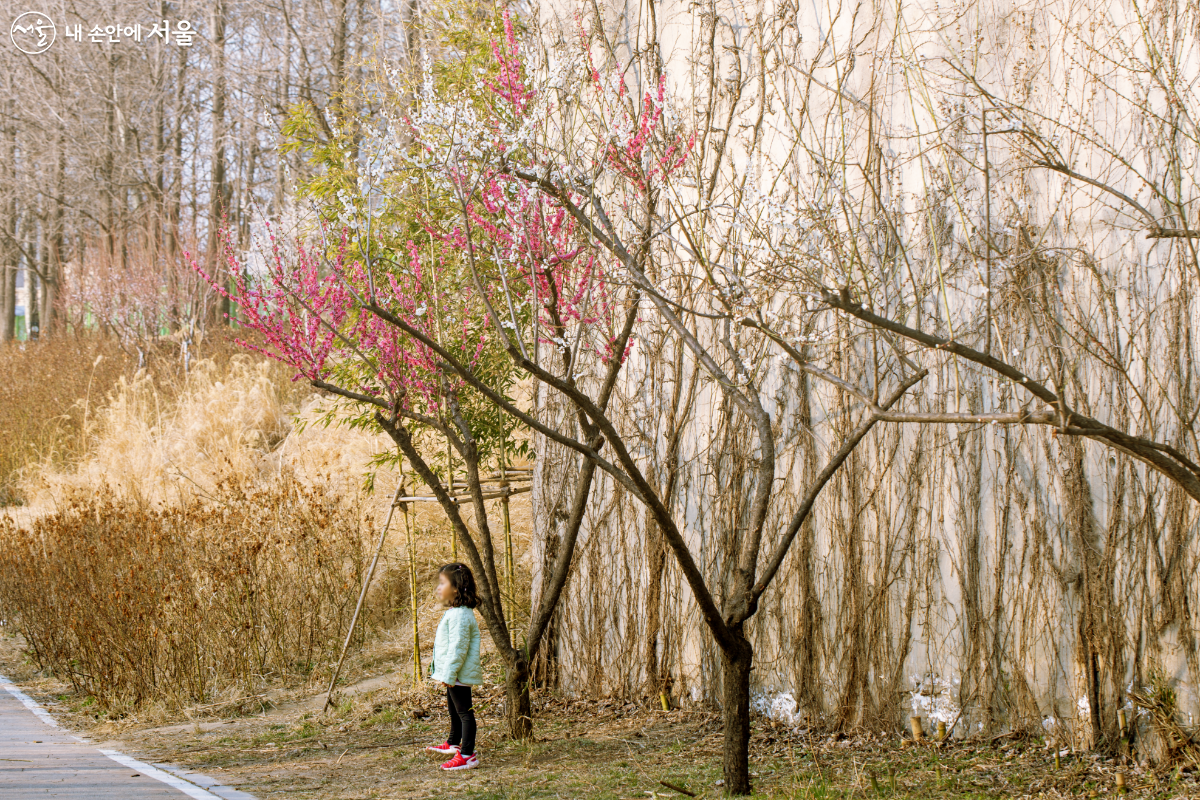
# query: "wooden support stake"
[412,593]
[513,473]
[450,472]
[508,556]
[361,596]
[488,494]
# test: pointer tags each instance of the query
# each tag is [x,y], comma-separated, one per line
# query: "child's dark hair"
[463,581]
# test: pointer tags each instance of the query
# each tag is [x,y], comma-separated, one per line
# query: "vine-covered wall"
[991,576]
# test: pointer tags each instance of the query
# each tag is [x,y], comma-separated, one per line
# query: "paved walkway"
[40,760]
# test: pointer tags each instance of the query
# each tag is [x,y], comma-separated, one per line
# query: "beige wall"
[958,563]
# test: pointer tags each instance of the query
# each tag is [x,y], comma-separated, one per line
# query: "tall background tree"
[123,150]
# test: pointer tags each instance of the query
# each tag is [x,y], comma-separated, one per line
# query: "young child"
[456,664]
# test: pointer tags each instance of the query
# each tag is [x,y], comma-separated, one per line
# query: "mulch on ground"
[371,745]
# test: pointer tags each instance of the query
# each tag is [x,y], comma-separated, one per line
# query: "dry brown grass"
[218,545]
[174,445]
[44,389]
[51,393]
[185,605]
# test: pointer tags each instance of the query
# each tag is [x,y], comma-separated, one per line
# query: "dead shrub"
[1162,739]
[186,604]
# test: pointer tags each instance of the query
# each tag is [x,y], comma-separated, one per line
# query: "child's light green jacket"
[456,649]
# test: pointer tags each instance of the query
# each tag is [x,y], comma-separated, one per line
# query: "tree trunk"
[32,318]
[184,307]
[735,710]
[657,562]
[341,29]
[50,272]
[8,297]
[518,710]
[8,280]
[8,217]
[219,192]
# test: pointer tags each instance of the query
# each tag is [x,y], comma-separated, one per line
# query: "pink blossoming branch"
[530,220]
[407,338]
[420,336]
[309,312]
[554,264]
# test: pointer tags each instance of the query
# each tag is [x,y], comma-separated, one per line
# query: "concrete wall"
[970,573]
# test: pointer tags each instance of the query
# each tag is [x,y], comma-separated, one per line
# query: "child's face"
[445,591]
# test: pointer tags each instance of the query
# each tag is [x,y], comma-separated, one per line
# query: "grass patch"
[585,750]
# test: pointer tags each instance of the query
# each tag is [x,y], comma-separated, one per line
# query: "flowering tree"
[739,262]
[409,347]
[137,297]
[418,339]
[1023,231]
[579,185]
[562,219]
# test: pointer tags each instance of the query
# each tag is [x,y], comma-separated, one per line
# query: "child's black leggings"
[462,718]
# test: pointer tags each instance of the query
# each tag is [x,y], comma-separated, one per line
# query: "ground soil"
[282,744]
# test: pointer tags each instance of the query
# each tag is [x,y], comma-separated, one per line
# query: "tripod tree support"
[362,596]
[508,548]
[412,593]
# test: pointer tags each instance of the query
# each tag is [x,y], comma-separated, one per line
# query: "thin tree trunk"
[32,318]
[656,562]
[283,100]
[811,623]
[54,250]
[219,191]
[183,308]
[518,708]
[8,253]
[736,663]
[46,298]
[340,31]
[8,294]
[159,216]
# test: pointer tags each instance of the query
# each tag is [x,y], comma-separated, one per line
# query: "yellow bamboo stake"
[508,552]
[412,593]
[450,472]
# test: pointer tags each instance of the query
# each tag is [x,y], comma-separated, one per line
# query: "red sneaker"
[445,748]
[458,762]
